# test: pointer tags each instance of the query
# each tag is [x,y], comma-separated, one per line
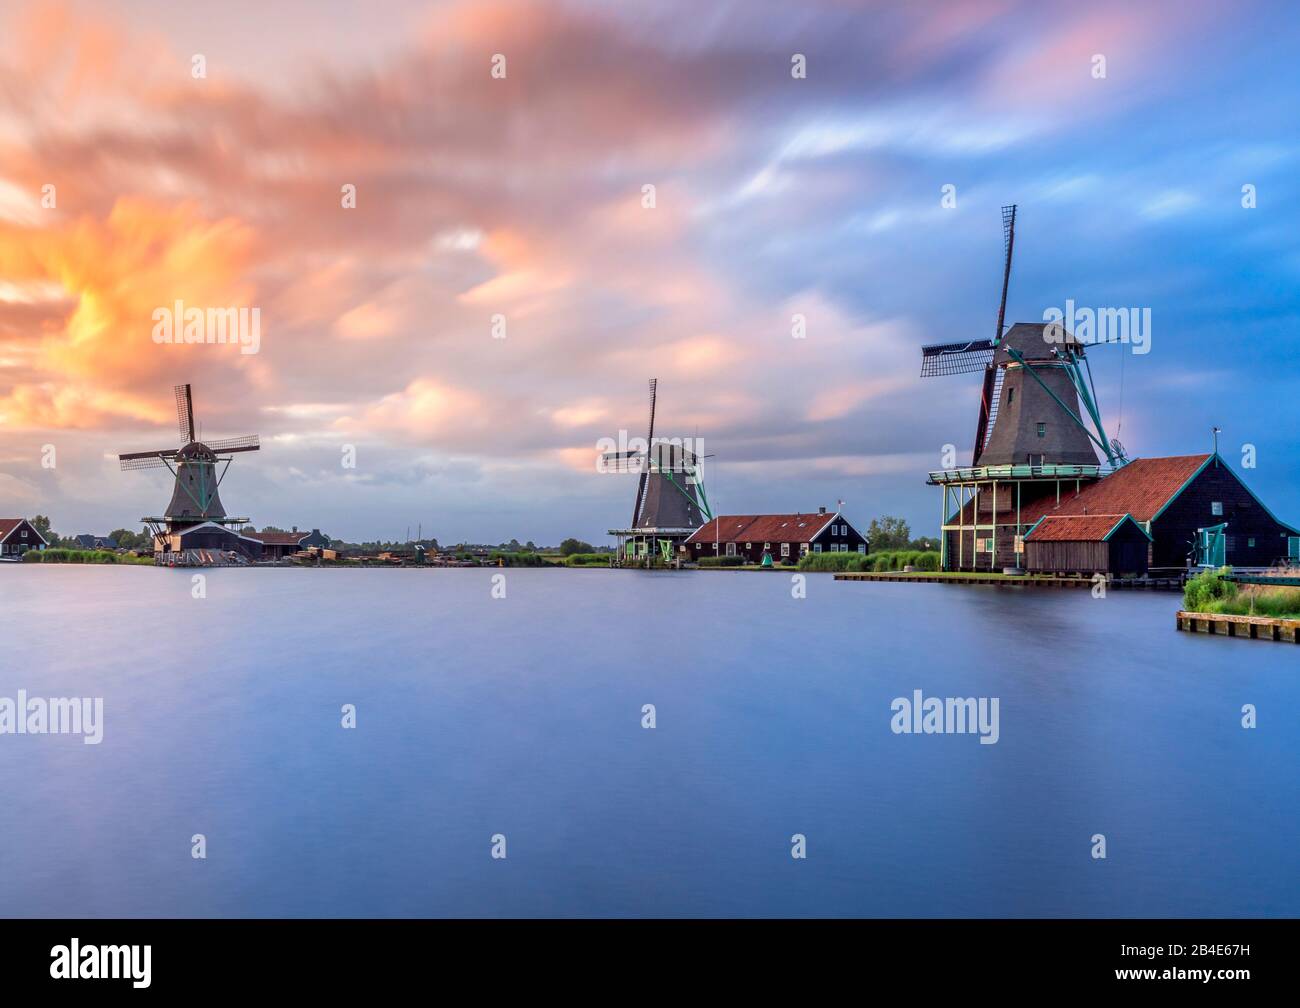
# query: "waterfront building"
[783,537]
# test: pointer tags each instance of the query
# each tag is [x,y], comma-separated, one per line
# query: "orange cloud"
[114,273]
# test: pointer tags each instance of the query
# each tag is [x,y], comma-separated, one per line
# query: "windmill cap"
[1036,341]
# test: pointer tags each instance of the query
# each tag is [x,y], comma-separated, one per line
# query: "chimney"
[295,528]
[821,510]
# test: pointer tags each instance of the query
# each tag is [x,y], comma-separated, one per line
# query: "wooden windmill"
[670,499]
[1037,403]
[198,469]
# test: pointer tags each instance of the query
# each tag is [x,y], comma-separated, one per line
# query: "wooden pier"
[1015,581]
[1252,627]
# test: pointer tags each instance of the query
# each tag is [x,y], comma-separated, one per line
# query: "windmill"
[196,499]
[1037,433]
[1036,379]
[670,499]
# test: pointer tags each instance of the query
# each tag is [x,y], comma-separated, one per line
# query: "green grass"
[1210,592]
[517,559]
[83,557]
[587,560]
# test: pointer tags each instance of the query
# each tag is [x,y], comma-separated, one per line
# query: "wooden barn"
[1114,545]
[783,537]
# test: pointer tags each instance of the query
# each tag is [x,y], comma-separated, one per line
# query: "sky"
[495,301]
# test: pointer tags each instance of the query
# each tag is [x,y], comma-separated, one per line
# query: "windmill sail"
[645,474]
[1009,242]
[956,358]
[184,412]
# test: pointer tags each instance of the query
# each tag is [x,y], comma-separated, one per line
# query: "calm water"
[522,715]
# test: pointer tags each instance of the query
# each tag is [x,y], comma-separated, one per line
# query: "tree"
[126,539]
[572,546]
[41,523]
[888,533]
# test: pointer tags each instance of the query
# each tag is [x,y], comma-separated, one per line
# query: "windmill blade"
[624,461]
[650,440]
[956,358]
[165,453]
[1009,242]
[155,461]
[185,412]
[246,442]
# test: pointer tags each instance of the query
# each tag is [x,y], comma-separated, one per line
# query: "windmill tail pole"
[1009,232]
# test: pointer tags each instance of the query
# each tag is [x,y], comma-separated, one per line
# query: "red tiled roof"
[1075,528]
[7,525]
[764,528]
[278,538]
[1141,488]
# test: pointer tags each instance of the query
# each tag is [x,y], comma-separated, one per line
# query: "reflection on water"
[522,716]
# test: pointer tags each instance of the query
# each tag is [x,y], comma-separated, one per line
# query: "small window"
[862,547]
[1042,430]
[1011,395]
[731,549]
[803,549]
[1216,508]
[817,547]
[1250,542]
[785,549]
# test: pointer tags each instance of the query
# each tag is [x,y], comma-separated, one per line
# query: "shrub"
[927,561]
[1206,590]
[517,559]
[587,560]
[721,561]
[836,562]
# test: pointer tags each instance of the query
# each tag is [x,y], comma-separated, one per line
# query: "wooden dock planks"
[1027,581]
[1253,627]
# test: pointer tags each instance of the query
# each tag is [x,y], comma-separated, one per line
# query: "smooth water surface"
[522,716]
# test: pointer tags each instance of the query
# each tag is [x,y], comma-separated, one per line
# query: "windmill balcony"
[984,474]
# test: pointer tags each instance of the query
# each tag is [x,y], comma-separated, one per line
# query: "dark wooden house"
[1174,498]
[87,541]
[209,537]
[1087,544]
[17,536]
[278,545]
[784,537]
